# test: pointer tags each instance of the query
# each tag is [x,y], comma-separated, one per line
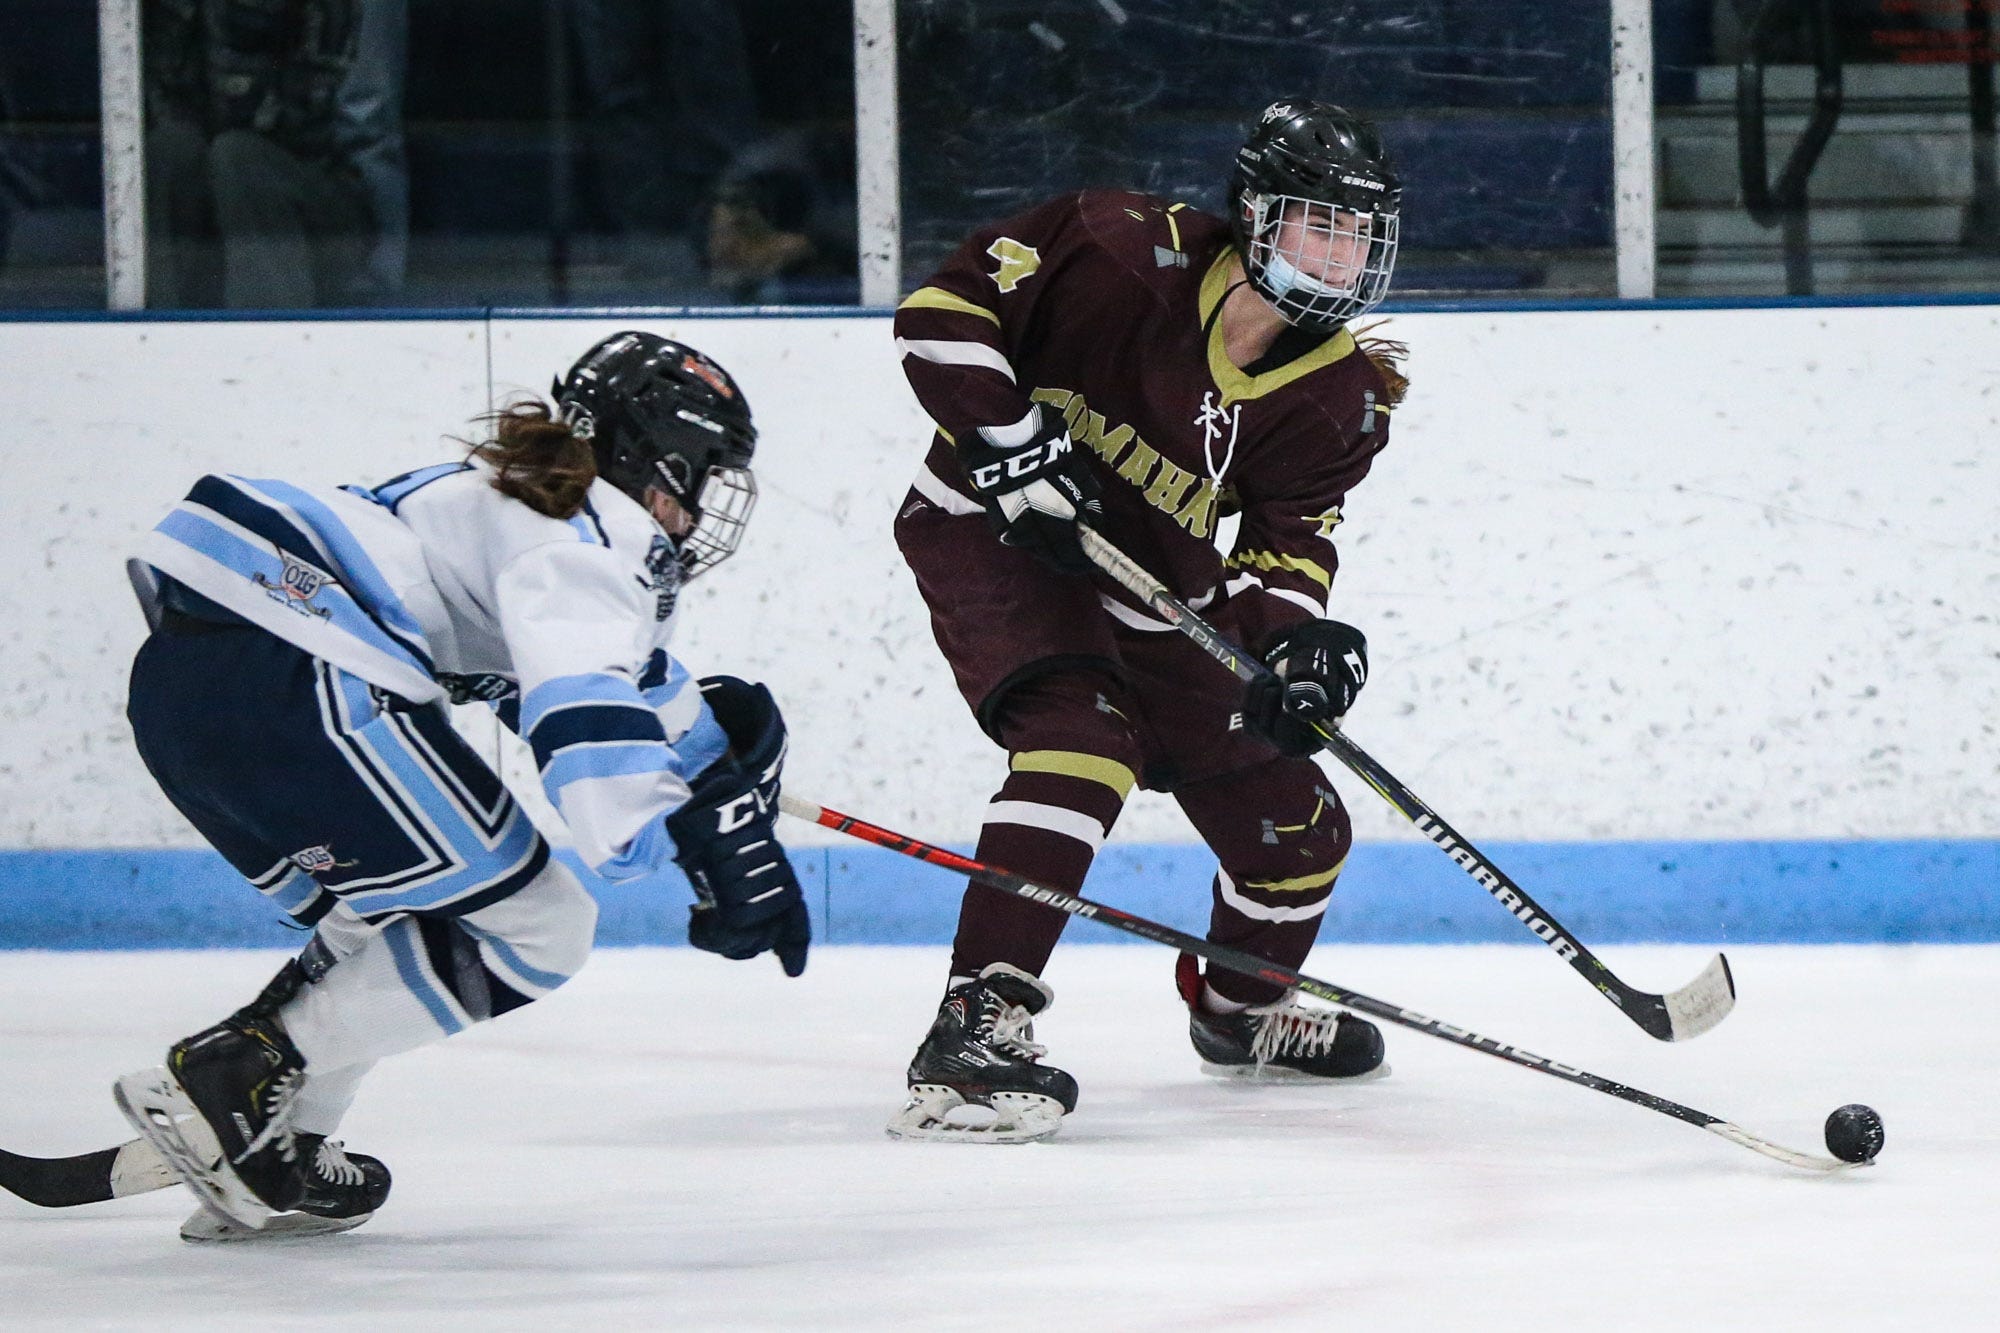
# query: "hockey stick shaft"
[1249,965]
[92,1177]
[1684,1013]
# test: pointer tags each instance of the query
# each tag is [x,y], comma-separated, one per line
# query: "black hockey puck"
[1854,1133]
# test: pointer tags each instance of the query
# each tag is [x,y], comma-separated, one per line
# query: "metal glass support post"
[877,152]
[122,124]
[1632,172]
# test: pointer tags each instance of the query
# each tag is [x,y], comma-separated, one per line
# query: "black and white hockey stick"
[1675,1016]
[1249,965]
[92,1177]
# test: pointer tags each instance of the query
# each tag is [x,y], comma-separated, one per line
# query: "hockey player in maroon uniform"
[1148,369]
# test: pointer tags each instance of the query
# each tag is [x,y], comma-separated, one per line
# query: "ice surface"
[677,1141]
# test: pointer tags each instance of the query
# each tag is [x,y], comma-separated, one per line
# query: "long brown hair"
[1387,356]
[541,461]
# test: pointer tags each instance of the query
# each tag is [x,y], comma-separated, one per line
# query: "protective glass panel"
[51,192]
[1901,196]
[444,153]
[1497,117]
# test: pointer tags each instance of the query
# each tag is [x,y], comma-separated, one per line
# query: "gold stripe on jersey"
[1075,764]
[1173,227]
[937,298]
[1302,884]
[1269,560]
[1235,385]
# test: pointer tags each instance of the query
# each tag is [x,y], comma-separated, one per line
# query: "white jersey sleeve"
[576,620]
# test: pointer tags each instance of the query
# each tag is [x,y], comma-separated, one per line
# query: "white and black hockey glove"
[747,897]
[1317,668]
[1035,488]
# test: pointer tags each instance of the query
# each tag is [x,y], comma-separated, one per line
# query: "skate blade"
[1279,1074]
[206,1227]
[1016,1117]
[160,1110]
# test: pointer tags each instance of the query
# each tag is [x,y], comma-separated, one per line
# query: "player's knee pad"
[1081,710]
[1072,760]
[1280,833]
[537,938]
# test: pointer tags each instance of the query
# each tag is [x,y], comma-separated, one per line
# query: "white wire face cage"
[1318,263]
[728,494]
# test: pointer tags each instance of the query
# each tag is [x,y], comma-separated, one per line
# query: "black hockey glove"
[1317,668]
[747,896]
[1035,491]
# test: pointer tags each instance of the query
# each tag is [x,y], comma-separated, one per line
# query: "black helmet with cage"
[1314,212]
[660,414]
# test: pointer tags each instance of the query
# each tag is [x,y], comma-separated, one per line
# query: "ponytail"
[1387,358]
[541,462]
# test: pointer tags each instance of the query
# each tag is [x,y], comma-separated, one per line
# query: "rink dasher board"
[1807,892]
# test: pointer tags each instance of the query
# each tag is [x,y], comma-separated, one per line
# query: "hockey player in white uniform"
[291,702]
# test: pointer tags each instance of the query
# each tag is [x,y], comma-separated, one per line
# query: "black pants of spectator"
[238,221]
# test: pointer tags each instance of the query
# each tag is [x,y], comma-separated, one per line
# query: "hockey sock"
[1046,822]
[325,1098]
[1281,837]
[1215,1002]
[419,979]
[1071,763]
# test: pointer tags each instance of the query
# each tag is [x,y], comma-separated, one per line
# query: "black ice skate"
[220,1113]
[1284,1041]
[343,1190]
[981,1052]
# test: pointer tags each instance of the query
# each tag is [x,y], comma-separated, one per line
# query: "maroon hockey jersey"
[1101,305]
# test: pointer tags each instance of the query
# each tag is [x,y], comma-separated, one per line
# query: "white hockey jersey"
[435,586]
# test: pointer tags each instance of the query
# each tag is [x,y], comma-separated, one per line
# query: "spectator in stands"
[368,132]
[667,88]
[249,201]
[782,226]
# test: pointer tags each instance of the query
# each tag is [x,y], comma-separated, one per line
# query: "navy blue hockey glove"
[1317,667]
[747,897]
[1035,491]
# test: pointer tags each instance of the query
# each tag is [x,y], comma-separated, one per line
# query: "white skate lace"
[334,1166]
[1010,1033]
[280,1100]
[1289,1028]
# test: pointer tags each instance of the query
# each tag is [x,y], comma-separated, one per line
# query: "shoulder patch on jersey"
[1018,262]
[667,577]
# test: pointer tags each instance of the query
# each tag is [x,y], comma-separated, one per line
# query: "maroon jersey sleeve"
[958,332]
[1281,567]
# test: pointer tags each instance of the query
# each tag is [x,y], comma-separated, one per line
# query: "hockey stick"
[92,1177]
[1249,965]
[1675,1016]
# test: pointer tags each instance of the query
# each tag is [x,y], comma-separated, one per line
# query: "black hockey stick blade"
[1675,1016]
[1249,965]
[92,1177]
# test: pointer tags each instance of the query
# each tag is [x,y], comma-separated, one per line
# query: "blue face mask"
[1284,276]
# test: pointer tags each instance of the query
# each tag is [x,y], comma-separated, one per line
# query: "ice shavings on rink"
[677,1141]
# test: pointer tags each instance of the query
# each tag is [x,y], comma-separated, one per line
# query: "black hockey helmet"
[1315,208]
[660,414]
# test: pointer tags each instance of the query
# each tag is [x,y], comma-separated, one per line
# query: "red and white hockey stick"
[1250,965]
[1675,1016]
